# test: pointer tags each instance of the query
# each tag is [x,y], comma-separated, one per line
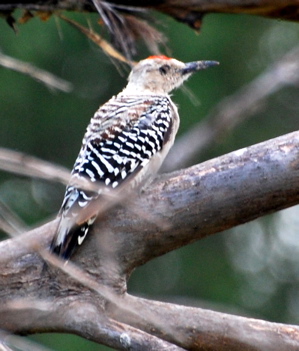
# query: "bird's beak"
[191,67]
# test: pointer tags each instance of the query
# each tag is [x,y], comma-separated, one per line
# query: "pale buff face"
[156,75]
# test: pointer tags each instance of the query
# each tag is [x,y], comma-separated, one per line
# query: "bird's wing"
[121,139]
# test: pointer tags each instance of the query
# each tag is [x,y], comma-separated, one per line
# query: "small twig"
[233,110]
[4,347]
[40,75]
[10,223]
[98,40]
[19,343]
[22,164]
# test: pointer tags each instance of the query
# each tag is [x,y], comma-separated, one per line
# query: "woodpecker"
[125,143]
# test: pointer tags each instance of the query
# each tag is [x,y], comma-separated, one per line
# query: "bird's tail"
[69,237]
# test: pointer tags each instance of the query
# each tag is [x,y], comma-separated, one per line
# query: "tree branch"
[23,164]
[199,329]
[187,11]
[38,74]
[187,205]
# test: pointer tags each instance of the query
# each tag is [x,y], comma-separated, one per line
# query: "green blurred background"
[253,269]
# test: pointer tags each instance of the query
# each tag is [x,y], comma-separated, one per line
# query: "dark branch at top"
[128,21]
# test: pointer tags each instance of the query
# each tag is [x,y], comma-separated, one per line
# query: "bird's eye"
[164,69]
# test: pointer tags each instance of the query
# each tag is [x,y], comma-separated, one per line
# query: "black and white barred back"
[125,143]
[122,137]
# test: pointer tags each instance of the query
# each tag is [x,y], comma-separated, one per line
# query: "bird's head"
[161,74]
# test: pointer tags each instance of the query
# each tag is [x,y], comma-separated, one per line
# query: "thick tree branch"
[78,316]
[188,11]
[199,329]
[182,207]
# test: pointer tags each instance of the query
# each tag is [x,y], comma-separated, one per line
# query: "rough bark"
[190,12]
[88,295]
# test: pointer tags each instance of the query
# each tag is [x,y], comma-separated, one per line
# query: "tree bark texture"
[190,12]
[87,296]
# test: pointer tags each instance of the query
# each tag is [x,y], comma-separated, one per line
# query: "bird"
[124,145]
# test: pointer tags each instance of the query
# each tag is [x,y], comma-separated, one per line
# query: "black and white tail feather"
[124,145]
